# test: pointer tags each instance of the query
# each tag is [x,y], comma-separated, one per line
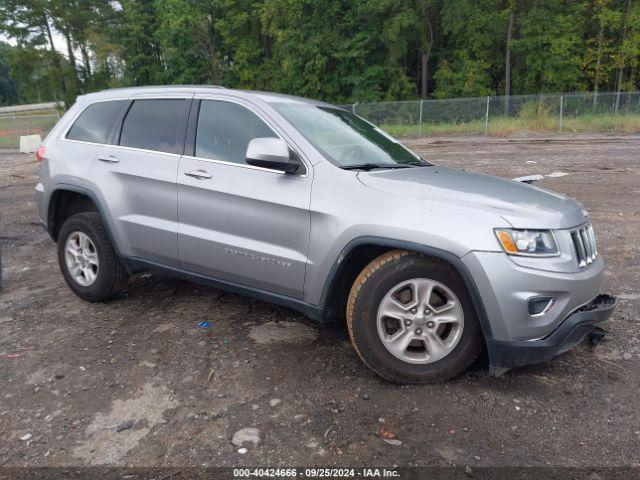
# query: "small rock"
[386,434]
[126,425]
[558,174]
[392,441]
[468,471]
[365,397]
[242,451]
[246,435]
[58,376]
[476,458]
[25,437]
[627,356]
[381,420]
[274,402]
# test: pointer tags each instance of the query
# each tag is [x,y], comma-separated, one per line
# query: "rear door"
[141,172]
[237,222]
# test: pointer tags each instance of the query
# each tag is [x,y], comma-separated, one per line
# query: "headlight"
[528,242]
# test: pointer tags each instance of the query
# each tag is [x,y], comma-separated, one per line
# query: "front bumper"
[505,289]
[513,336]
[568,334]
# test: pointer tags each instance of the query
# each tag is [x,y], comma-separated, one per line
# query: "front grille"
[584,241]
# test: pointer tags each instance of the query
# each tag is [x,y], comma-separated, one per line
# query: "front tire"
[87,260]
[411,319]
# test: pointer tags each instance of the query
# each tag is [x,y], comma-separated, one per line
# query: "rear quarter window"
[96,122]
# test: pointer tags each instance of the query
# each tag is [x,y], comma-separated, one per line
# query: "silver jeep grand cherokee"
[307,205]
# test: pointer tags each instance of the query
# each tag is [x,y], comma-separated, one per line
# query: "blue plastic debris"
[204,325]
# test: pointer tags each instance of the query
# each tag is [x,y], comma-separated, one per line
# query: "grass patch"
[12,127]
[539,122]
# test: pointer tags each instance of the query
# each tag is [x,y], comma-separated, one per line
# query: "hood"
[522,205]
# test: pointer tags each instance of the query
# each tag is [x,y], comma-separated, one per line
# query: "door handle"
[199,174]
[109,159]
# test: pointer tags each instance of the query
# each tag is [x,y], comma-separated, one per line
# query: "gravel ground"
[135,382]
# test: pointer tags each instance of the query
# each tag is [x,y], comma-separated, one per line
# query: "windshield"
[346,139]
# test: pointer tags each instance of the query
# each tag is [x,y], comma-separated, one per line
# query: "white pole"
[486,118]
[561,107]
[420,120]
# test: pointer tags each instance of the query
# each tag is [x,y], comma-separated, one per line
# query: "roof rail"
[164,86]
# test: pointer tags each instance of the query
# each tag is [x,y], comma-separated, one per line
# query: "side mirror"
[271,153]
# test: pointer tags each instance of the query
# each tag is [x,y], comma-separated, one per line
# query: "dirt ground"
[136,382]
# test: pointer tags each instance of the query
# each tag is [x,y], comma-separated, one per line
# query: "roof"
[268,97]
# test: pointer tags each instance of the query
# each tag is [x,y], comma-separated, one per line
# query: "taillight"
[41,153]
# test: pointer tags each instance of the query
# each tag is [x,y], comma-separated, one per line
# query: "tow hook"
[596,335]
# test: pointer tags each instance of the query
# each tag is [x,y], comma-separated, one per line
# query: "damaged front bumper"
[505,355]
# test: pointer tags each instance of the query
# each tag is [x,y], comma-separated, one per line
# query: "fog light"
[540,305]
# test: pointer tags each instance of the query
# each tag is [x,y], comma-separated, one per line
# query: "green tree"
[135,34]
[550,47]
[474,33]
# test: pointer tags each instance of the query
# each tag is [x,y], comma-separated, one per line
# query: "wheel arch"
[360,251]
[60,208]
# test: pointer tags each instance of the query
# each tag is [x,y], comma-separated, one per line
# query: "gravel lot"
[135,382]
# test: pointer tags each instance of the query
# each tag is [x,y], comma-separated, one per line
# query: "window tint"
[95,123]
[152,125]
[225,129]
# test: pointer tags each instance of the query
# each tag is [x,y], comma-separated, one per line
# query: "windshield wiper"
[371,166]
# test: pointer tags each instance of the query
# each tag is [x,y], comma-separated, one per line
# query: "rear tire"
[419,342]
[87,260]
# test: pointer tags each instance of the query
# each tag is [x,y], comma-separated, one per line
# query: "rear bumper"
[507,354]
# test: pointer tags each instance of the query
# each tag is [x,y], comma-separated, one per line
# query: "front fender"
[445,255]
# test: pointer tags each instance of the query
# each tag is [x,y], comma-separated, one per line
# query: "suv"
[307,205]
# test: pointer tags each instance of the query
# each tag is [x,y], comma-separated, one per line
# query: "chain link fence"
[501,115]
[495,115]
[13,126]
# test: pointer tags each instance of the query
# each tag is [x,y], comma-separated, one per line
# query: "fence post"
[353,108]
[561,108]
[486,118]
[420,119]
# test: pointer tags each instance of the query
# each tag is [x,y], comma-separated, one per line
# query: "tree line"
[336,50]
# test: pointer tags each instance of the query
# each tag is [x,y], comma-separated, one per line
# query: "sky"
[58,42]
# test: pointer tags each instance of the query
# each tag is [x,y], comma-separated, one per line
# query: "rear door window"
[225,130]
[96,123]
[153,125]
